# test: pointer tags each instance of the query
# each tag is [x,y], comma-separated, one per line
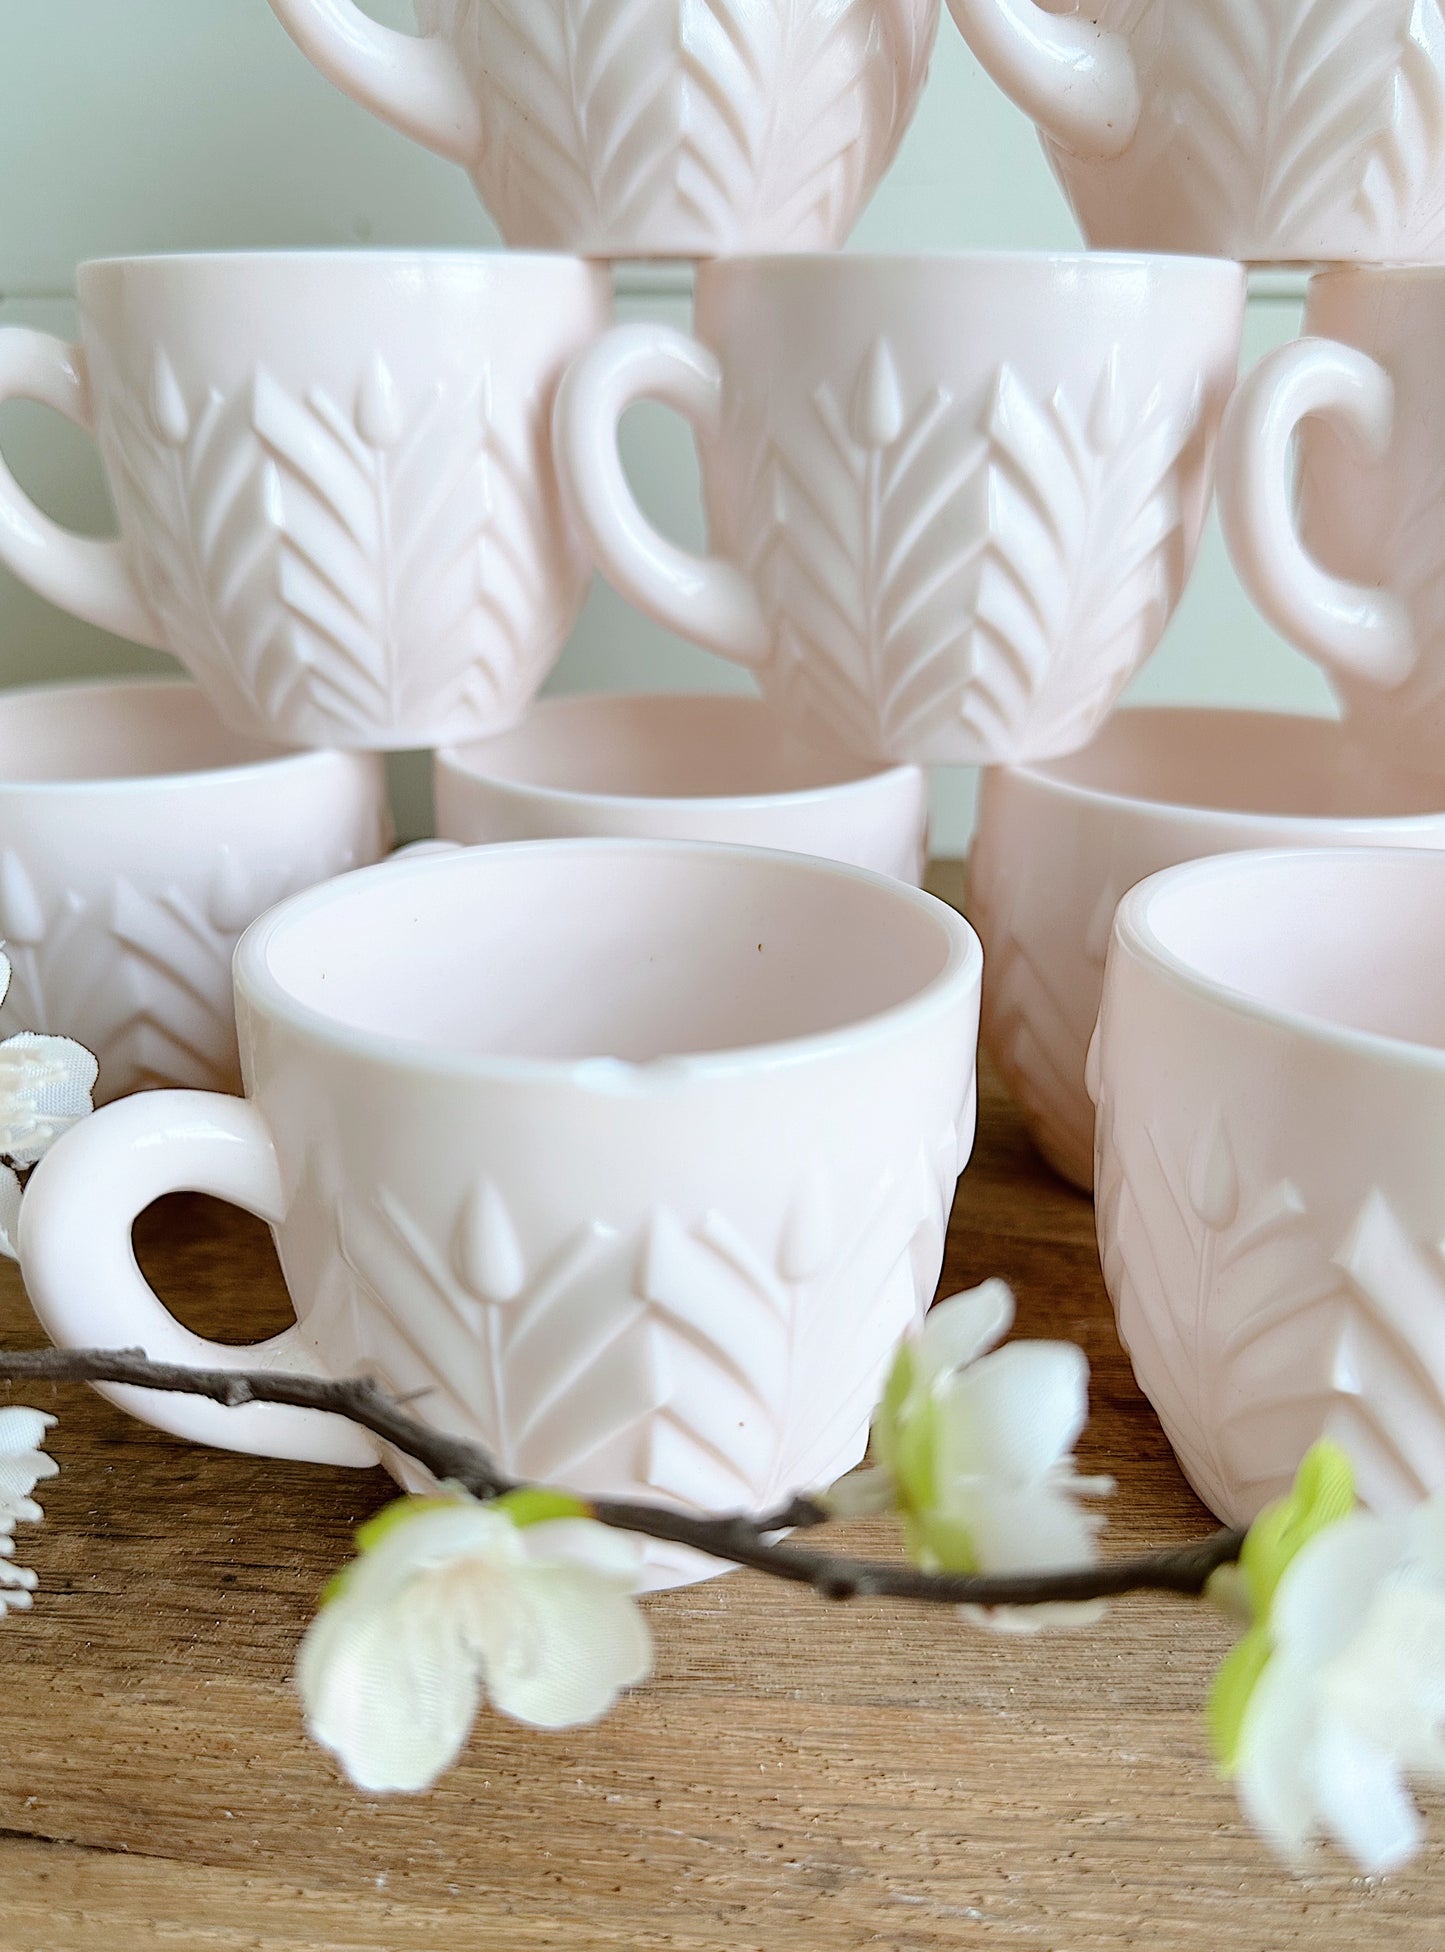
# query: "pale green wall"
[131,125]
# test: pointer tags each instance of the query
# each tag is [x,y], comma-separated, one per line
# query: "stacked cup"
[1268,1059]
[629,1145]
[559,1138]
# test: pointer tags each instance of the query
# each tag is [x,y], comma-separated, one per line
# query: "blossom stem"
[738,1540]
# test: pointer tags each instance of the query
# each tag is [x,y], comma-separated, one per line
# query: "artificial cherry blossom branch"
[736,1540]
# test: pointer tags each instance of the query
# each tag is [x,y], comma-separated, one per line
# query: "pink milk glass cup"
[678,128]
[631,1160]
[703,767]
[1275,131]
[953,501]
[1270,1077]
[139,838]
[1060,843]
[333,477]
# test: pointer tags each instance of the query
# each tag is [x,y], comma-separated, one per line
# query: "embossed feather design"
[968,583]
[337,572]
[672,1359]
[1254,1335]
[1268,103]
[1039,1011]
[142,978]
[725,122]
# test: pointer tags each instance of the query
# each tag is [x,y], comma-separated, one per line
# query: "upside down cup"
[953,501]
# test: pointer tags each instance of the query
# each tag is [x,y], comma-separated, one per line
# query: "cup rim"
[291,759]
[263,992]
[1039,776]
[1090,264]
[1135,935]
[312,254]
[454,760]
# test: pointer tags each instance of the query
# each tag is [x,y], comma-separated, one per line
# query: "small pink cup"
[1059,843]
[631,1159]
[1269,1070]
[707,767]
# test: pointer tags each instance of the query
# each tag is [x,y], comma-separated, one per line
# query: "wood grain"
[796,1777]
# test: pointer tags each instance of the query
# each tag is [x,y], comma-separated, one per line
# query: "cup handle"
[702,598]
[1356,631]
[82,1277]
[1077,80]
[85,575]
[414,82]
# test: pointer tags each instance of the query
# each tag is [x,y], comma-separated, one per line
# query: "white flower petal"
[1016,1414]
[583,1645]
[1363,1802]
[582,1545]
[22,1429]
[5,974]
[11,1194]
[1389,1683]
[1275,1778]
[1035,1528]
[958,1331]
[1425,1541]
[449,1598]
[45,1087]
[1326,1594]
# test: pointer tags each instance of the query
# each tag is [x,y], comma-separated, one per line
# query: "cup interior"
[65,734]
[572,950]
[1352,939]
[656,748]
[1273,765]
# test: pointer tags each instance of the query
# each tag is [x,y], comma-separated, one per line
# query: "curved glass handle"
[1077,80]
[1354,629]
[88,577]
[414,82]
[703,598]
[82,1277]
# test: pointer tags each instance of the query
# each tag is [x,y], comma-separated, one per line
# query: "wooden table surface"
[795,1777]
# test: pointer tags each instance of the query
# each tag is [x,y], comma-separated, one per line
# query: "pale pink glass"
[1058,845]
[562,1140]
[1274,131]
[333,476]
[139,838]
[704,767]
[1270,1076]
[953,501]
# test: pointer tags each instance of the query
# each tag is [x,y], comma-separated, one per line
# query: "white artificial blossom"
[1349,1701]
[452,1599]
[45,1087]
[23,1465]
[974,1445]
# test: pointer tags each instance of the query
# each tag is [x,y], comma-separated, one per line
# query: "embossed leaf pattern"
[957,585]
[1037,1017]
[1355,1352]
[1085,562]
[1255,1335]
[143,979]
[141,976]
[674,1359]
[1268,102]
[611,118]
[347,568]
[784,106]
[1399,194]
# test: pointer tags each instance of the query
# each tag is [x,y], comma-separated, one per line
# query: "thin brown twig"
[738,1540]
